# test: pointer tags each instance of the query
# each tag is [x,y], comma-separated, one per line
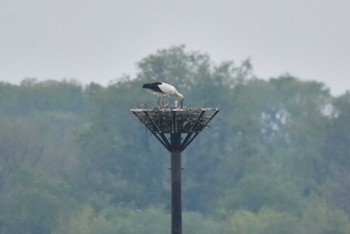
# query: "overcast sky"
[100,40]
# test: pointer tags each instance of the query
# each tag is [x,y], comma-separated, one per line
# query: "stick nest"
[175,120]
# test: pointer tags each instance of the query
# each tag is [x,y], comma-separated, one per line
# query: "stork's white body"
[167,90]
[162,90]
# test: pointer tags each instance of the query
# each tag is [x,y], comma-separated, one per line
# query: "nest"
[175,120]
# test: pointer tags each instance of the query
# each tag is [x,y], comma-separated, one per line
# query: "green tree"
[320,216]
[85,220]
[35,203]
[264,222]
[337,151]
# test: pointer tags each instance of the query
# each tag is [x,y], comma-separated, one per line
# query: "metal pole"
[176,212]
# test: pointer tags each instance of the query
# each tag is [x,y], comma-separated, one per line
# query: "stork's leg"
[159,101]
[163,101]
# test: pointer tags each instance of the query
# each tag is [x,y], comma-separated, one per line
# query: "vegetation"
[276,159]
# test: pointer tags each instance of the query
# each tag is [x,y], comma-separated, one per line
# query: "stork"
[162,90]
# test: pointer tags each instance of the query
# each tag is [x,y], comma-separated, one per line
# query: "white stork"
[162,90]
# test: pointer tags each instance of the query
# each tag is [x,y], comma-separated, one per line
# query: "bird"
[162,90]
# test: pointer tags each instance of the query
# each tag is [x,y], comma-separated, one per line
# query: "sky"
[101,40]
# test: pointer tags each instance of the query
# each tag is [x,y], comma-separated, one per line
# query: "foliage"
[263,222]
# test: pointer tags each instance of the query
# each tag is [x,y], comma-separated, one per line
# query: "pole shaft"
[176,210]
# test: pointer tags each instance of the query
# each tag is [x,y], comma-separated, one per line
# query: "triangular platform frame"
[162,122]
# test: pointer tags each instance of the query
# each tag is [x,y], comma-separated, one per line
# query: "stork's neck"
[180,98]
[179,95]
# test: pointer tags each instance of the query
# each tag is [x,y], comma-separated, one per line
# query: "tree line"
[276,159]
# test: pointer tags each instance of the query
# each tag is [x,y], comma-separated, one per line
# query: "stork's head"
[181,99]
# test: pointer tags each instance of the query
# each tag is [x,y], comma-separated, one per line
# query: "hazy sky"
[99,40]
